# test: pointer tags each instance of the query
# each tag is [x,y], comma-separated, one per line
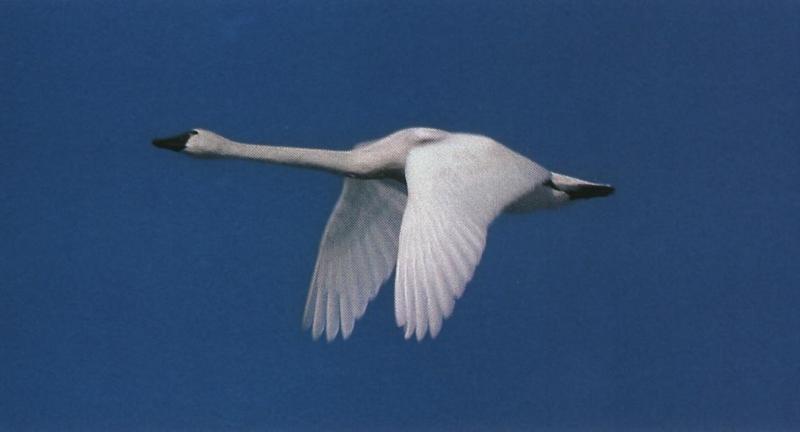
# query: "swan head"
[196,142]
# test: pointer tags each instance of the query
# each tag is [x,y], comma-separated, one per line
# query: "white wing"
[456,187]
[356,255]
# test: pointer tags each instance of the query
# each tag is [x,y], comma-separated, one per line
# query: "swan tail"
[579,189]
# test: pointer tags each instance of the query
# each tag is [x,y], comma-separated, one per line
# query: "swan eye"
[193,132]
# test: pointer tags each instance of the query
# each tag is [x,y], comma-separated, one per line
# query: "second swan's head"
[196,142]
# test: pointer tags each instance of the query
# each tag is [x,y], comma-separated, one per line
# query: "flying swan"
[419,202]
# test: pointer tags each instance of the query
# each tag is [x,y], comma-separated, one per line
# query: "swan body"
[417,202]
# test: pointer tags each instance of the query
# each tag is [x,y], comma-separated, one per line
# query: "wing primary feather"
[409,294]
[431,288]
[345,302]
[332,317]
[319,314]
[447,268]
[420,320]
[311,301]
[359,283]
[399,291]
[438,292]
[443,289]
[454,266]
[362,286]
[420,290]
[371,276]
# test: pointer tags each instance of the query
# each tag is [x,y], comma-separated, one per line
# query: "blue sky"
[142,290]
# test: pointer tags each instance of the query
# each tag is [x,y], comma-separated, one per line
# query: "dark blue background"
[143,290]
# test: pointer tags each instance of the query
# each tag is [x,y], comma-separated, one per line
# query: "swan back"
[386,157]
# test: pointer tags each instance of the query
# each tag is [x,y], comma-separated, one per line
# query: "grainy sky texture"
[143,290]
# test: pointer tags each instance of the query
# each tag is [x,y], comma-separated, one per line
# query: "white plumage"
[356,256]
[419,202]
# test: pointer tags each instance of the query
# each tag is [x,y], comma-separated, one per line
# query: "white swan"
[419,202]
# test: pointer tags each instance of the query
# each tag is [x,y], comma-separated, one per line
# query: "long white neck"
[340,162]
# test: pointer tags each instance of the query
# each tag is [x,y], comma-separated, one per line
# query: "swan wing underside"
[356,256]
[455,190]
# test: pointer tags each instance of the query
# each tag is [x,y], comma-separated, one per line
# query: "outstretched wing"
[456,187]
[356,255]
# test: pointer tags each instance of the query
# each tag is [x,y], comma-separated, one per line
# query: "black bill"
[176,143]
